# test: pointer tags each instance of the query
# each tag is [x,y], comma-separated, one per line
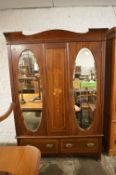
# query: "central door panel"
[56,88]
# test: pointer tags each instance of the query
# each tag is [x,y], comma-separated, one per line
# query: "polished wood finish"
[16,50]
[66,145]
[52,36]
[96,48]
[82,146]
[56,51]
[46,145]
[20,160]
[110,94]
[56,73]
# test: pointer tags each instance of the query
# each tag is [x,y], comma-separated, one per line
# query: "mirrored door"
[84,88]
[30,90]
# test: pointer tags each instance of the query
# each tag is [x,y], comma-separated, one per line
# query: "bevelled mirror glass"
[30,90]
[84,85]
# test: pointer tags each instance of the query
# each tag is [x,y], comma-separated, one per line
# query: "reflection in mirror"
[84,85]
[30,90]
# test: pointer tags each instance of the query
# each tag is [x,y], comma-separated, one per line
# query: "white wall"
[77,19]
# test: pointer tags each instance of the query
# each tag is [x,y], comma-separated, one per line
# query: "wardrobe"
[110,94]
[57,84]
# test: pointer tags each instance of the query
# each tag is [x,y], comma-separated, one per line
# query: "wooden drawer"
[90,145]
[45,145]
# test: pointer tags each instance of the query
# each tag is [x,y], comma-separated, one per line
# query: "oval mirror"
[84,85]
[30,90]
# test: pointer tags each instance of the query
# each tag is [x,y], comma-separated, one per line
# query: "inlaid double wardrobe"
[110,94]
[57,84]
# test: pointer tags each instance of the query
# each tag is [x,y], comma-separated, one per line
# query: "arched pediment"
[55,36]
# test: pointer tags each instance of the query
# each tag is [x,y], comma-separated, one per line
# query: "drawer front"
[45,145]
[80,145]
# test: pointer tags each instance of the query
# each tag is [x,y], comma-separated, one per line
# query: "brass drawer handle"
[49,145]
[90,145]
[68,145]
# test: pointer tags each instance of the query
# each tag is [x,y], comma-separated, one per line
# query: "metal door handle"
[49,145]
[68,145]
